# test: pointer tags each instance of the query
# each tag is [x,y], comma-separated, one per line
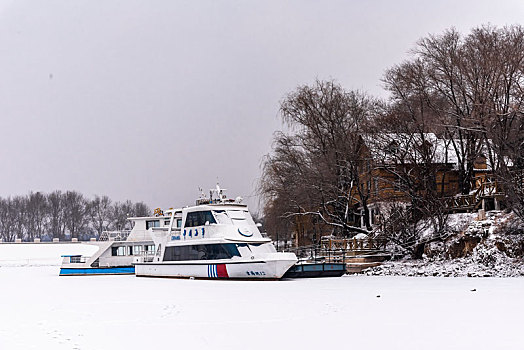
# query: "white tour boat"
[217,238]
[117,250]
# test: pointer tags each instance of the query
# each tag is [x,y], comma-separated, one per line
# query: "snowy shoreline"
[444,268]
[492,247]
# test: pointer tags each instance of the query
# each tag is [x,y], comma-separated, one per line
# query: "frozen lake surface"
[40,310]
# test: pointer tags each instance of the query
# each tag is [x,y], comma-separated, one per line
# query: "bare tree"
[316,169]
[473,86]
[56,213]
[119,214]
[7,220]
[141,209]
[100,212]
[455,78]
[37,215]
[19,213]
[76,209]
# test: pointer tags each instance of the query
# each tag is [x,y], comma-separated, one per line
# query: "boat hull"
[84,271]
[252,270]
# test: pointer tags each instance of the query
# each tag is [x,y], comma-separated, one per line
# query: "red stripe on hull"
[222,271]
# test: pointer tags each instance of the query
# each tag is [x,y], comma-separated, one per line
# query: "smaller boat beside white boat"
[117,250]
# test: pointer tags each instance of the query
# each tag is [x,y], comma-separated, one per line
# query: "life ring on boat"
[248,234]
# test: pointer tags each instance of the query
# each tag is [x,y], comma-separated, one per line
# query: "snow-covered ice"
[40,310]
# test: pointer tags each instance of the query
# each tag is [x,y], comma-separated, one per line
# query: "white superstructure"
[117,250]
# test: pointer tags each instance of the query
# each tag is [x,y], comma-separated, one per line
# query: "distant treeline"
[63,215]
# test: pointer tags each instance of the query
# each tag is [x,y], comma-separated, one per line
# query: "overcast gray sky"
[148,100]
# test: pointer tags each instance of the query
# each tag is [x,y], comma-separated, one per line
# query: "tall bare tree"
[7,220]
[100,212]
[473,87]
[56,213]
[76,209]
[37,215]
[316,168]
[466,82]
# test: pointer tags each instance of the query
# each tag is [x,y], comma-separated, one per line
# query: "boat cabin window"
[152,223]
[201,252]
[199,218]
[118,251]
[222,217]
[178,223]
[166,222]
[150,248]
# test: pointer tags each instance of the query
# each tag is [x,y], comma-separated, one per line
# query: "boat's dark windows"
[118,251]
[201,252]
[166,222]
[172,253]
[231,249]
[130,250]
[152,223]
[199,218]
[178,223]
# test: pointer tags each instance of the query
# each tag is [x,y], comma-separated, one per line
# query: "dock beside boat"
[352,255]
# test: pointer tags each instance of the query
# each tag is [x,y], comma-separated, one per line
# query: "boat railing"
[147,256]
[342,250]
[120,235]
[160,228]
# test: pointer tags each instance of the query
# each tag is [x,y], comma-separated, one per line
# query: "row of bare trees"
[63,215]
[456,99]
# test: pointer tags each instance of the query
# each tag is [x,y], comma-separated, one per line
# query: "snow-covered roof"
[390,148]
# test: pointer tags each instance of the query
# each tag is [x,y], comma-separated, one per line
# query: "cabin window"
[150,248]
[199,218]
[201,252]
[166,222]
[222,217]
[152,223]
[118,251]
[137,249]
[178,223]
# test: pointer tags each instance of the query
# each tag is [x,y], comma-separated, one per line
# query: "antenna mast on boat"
[219,192]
